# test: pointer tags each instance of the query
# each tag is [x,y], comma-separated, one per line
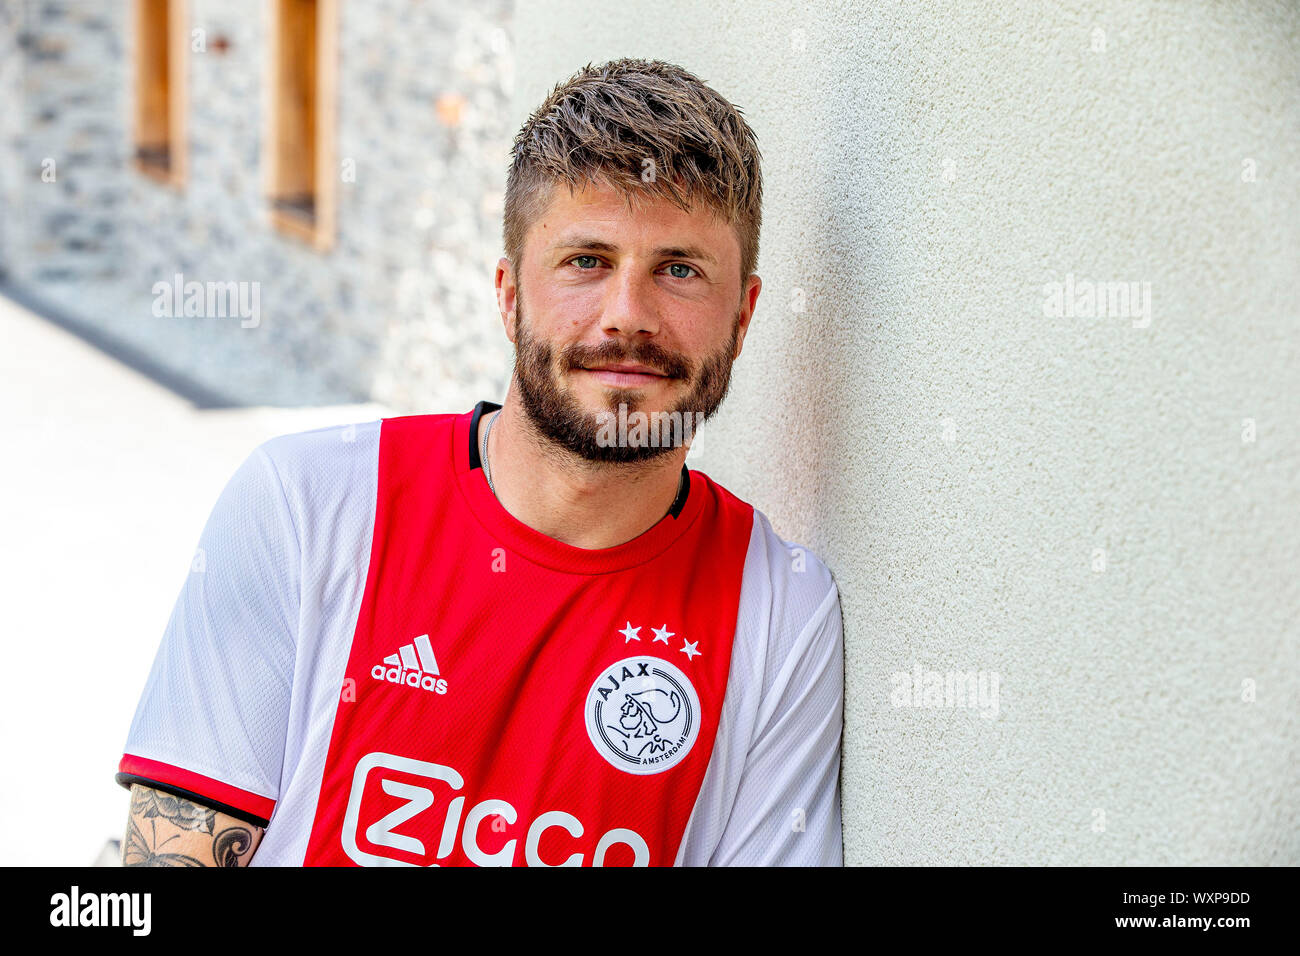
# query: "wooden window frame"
[319,231]
[177,45]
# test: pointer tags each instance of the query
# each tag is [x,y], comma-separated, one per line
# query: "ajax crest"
[643,715]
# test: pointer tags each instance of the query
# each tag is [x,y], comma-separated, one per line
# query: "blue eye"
[681,265]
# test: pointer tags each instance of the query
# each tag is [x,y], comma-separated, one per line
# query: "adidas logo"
[413,665]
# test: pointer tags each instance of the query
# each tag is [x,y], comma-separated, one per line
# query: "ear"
[507,291]
[748,302]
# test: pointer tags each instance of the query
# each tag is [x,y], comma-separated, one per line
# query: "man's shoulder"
[321,470]
[803,564]
[788,590]
[788,565]
[328,471]
[322,451]
[801,584]
[346,441]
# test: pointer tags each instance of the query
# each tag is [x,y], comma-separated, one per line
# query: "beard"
[556,413]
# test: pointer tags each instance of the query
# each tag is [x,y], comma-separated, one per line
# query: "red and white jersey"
[376,661]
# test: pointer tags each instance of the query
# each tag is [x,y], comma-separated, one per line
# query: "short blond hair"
[612,122]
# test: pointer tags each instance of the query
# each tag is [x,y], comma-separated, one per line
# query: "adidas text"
[396,675]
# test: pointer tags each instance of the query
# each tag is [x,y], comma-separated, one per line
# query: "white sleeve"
[771,792]
[210,724]
[787,809]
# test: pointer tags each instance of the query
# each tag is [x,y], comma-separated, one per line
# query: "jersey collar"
[544,549]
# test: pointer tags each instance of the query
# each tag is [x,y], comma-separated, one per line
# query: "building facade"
[390,117]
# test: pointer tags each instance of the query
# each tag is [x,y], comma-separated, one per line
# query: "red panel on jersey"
[519,700]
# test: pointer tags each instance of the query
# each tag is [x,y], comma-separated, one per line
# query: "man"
[526,634]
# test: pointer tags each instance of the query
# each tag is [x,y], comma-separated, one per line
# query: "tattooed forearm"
[167,830]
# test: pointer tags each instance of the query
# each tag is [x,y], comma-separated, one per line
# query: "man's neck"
[582,503]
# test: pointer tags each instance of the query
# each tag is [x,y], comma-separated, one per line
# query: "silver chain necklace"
[487,471]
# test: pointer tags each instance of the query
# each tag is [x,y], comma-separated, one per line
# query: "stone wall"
[11,124]
[400,310]
[61,141]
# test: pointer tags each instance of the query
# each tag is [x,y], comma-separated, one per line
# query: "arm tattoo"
[230,844]
[144,848]
[178,811]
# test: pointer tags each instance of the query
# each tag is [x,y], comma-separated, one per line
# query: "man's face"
[649,286]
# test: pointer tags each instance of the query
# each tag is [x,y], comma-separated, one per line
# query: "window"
[160,89]
[300,161]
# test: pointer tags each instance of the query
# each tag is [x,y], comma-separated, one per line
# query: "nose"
[630,306]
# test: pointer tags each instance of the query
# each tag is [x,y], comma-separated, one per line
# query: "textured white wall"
[959,457]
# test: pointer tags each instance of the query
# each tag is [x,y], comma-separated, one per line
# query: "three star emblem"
[689,648]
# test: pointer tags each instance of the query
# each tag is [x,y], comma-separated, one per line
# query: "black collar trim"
[481,409]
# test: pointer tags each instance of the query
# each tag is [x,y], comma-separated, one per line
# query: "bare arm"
[167,830]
